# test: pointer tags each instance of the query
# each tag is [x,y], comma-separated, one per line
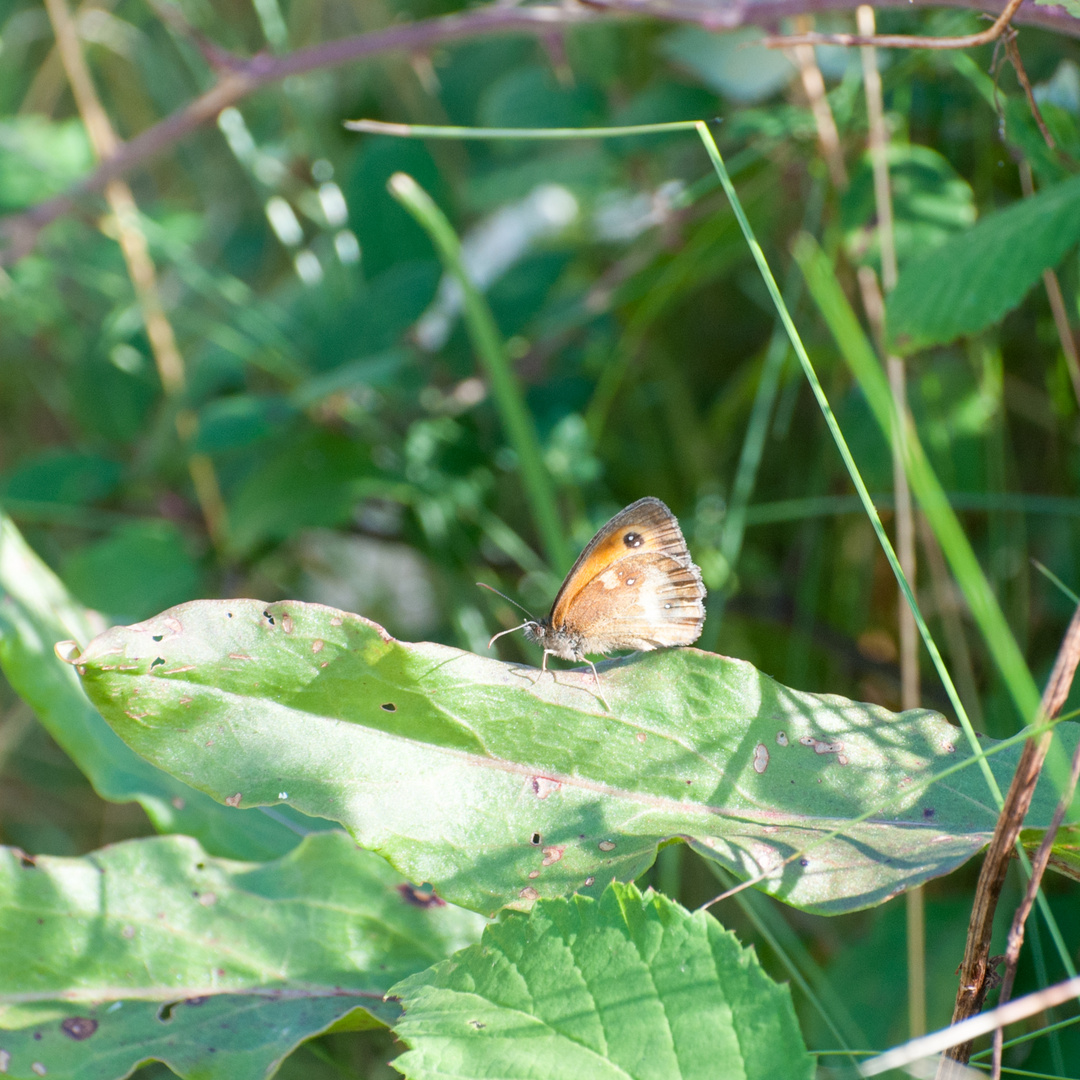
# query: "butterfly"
[633,587]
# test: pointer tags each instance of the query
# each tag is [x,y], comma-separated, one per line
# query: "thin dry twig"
[970,1029]
[814,87]
[1055,297]
[140,266]
[975,966]
[902,41]
[1016,931]
[874,304]
[1012,51]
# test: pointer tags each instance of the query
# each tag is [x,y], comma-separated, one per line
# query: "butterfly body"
[633,587]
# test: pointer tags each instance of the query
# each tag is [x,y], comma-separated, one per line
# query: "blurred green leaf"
[974,279]
[267,704]
[39,158]
[930,203]
[530,96]
[64,477]
[135,571]
[311,478]
[627,985]
[239,420]
[35,613]
[154,950]
[732,64]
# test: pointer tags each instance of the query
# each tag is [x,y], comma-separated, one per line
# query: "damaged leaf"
[498,785]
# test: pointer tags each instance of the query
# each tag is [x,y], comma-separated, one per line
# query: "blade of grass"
[429,131]
[509,399]
[845,452]
[927,487]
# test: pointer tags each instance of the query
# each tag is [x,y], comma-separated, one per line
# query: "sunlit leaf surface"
[152,949]
[499,786]
[627,988]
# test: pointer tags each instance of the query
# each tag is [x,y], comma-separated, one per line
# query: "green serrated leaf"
[154,950]
[624,987]
[976,278]
[499,785]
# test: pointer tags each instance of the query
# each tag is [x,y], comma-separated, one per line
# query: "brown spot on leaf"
[234,800]
[641,736]
[552,854]
[543,787]
[208,899]
[79,1027]
[761,758]
[422,898]
[287,623]
[528,893]
[177,802]
[38,1069]
[317,646]
[606,845]
[336,620]
[589,881]
[534,873]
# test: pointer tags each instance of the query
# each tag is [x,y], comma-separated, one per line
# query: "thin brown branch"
[975,966]
[903,41]
[730,14]
[18,232]
[1038,868]
[1055,297]
[1012,51]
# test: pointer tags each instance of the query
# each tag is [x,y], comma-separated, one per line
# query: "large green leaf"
[36,612]
[624,988]
[152,949]
[498,785]
[974,279]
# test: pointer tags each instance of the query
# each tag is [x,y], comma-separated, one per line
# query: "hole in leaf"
[164,1014]
[157,662]
[535,840]
[158,637]
[267,615]
[389,706]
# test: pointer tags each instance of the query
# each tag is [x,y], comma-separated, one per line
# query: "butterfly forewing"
[646,526]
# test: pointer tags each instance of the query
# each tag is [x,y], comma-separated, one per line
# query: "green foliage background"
[361,459]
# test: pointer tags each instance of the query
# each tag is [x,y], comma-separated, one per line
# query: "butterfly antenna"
[509,601]
[503,633]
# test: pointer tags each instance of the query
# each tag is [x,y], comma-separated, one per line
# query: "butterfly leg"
[596,677]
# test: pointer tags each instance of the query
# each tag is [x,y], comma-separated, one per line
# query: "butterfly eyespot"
[631,580]
[632,540]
